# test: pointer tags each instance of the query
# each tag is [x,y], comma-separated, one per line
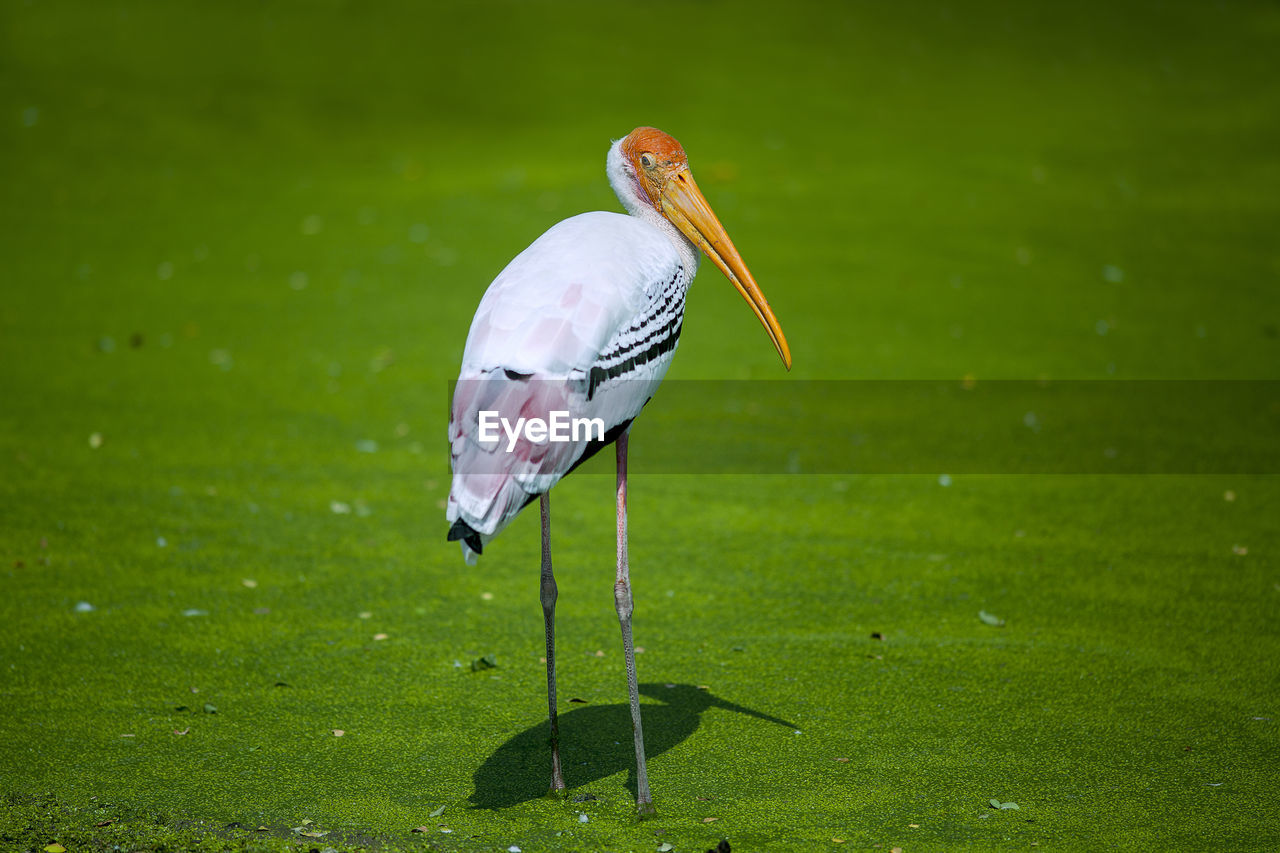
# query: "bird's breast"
[564,301]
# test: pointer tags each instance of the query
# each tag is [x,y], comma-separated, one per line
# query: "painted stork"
[583,323]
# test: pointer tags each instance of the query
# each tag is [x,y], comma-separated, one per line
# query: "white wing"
[584,321]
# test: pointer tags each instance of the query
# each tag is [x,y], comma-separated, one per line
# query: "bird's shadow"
[595,742]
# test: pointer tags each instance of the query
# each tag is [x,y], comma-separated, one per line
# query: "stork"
[583,323]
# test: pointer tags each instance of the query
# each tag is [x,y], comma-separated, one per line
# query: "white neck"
[626,186]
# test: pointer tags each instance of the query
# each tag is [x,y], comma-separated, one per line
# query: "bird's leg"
[549,593]
[622,598]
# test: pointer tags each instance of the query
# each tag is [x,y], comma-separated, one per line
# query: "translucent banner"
[928,427]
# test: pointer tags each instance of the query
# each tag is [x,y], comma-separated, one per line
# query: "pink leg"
[549,593]
[622,598]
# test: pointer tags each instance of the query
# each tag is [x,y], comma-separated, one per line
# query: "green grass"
[242,240]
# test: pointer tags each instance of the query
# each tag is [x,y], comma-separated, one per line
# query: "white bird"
[583,323]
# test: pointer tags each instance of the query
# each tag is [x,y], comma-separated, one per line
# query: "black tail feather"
[467,533]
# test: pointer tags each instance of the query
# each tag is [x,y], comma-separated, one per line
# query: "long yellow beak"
[683,204]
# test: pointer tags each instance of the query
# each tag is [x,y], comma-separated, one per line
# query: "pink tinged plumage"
[540,329]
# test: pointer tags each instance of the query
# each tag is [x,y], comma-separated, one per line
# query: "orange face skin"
[655,156]
[662,171]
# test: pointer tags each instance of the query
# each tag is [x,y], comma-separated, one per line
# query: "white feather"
[574,295]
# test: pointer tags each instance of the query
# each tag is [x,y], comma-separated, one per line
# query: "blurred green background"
[243,243]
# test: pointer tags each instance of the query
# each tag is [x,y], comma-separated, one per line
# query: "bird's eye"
[646,160]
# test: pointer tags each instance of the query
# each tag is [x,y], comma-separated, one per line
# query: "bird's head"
[657,175]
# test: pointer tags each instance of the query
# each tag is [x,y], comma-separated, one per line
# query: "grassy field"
[243,242]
